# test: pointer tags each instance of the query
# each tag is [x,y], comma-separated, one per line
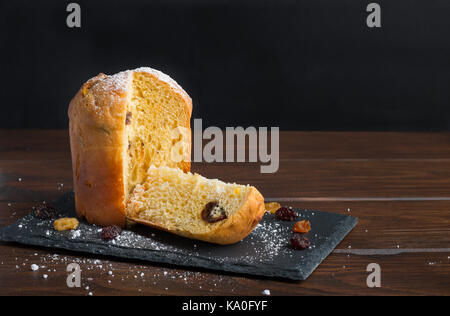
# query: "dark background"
[305,65]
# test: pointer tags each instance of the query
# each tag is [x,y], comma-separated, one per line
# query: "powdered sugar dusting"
[115,84]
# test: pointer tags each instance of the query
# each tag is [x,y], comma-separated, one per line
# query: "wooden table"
[398,184]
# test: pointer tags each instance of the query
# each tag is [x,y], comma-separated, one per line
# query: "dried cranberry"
[45,211]
[299,242]
[286,214]
[213,212]
[110,232]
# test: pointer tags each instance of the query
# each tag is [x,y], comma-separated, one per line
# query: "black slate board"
[265,252]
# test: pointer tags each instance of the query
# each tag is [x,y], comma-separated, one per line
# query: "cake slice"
[119,126]
[193,206]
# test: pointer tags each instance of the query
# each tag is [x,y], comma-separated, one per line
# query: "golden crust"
[233,230]
[97,127]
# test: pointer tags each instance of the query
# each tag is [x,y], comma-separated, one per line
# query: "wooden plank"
[364,145]
[54,144]
[295,145]
[413,274]
[310,179]
[34,144]
[340,179]
[34,180]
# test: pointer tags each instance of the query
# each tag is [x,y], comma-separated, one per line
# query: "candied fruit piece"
[272,207]
[65,223]
[302,227]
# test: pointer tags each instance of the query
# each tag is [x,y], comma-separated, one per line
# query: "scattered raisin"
[110,232]
[302,227]
[128,118]
[286,214]
[299,242]
[213,212]
[45,211]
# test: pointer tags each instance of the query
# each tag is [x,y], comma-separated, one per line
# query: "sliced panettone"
[196,207]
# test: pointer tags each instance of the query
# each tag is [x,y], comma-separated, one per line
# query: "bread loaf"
[130,141]
[119,126]
[195,207]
